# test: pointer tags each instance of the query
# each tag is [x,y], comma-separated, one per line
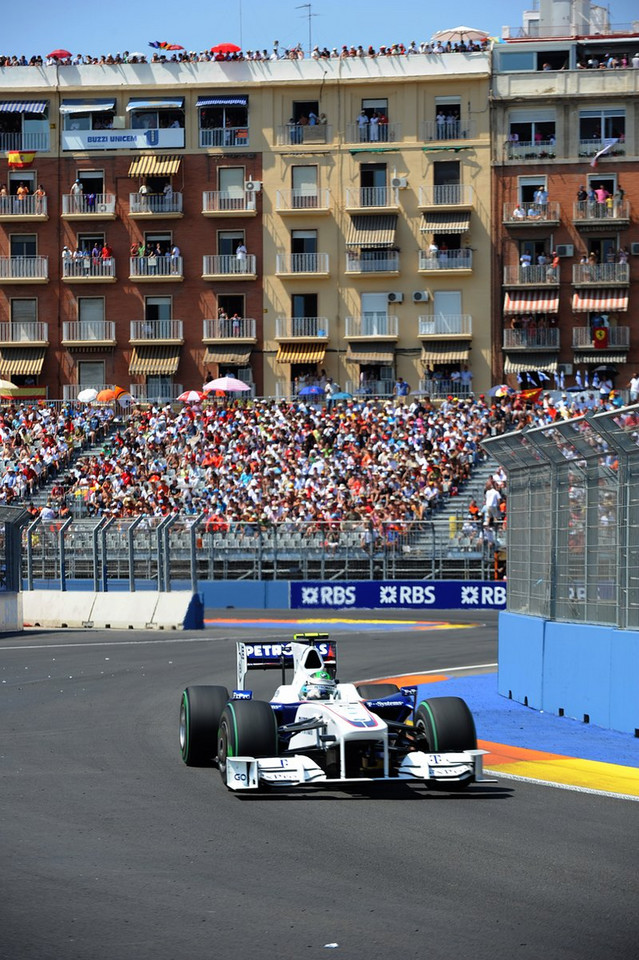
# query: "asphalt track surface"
[112,848]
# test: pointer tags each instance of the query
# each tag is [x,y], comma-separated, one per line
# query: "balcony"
[143,206]
[224,137]
[531,340]
[301,328]
[301,265]
[221,203]
[161,268]
[376,198]
[371,388]
[600,274]
[30,332]
[436,387]
[88,270]
[460,129]
[89,333]
[590,148]
[531,214]
[70,391]
[229,330]
[522,150]
[92,206]
[24,269]
[229,267]
[386,262]
[532,276]
[594,215]
[446,195]
[618,339]
[294,135]
[26,208]
[155,393]
[37,140]
[371,326]
[156,331]
[445,260]
[302,201]
[380,133]
[445,325]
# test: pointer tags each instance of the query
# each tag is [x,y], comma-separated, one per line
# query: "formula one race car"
[317,730]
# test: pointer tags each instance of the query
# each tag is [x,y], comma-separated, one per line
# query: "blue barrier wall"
[521,655]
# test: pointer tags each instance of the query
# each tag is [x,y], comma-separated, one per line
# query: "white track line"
[425,673]
[562,786]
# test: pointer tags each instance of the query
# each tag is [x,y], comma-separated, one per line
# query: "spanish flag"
[530,396]
[600,338]
[20,159]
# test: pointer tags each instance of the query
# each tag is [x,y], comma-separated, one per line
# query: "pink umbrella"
[191,396]
[225,383]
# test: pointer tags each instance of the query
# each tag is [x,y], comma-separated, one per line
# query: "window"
[89,242]
[24,315]
[91,317]
[598,125]
[303,109]
[535,249]
[24,245]
[531,127]
[304,184]
[231,304]
[92,181]
[224,120]
[553,60]
[158,308]
[91,373]
[516,61]
[304,309]
[160,243]
[604,248]
[156,114]
[303,242]
[228,241]
[26,177]
[528,186]
[448,117]
[608,182]
[447,181]
[87,114]
[231,182]
[372,178]
[447,303]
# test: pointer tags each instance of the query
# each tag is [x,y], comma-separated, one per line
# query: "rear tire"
[447,724]
[200,711]
[248,728]
[376,691]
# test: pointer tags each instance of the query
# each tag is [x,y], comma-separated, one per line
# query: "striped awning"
[23,106]
[599,356]
[87,106]
[445,352]
[170,103]
[446,222]
[372,231]
[22,361]
[233,100]
[522,362]
[531,301]
[301,352]
[154,360]
[154,166]
[371,353]
[232,355]
[602,301]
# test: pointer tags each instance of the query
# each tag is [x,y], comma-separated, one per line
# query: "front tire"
[247,728]
[447,724]
[200,711]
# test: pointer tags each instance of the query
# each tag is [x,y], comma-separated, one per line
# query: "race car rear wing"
[283,656]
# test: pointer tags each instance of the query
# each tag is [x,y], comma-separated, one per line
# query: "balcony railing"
[88,331]
[23,207]
[303,200]
[446,260]
[88,205]
[618,337]
[315,328]
[370,388]
[224,136]
[601,273]
[221,201]
[444,387]
[446,195]
[589,148]
[531,340]
[146,331]
[88,268]
[371,325]
[387,262]
[378,133]
[445,325]
[162,266]
[287,263]
[531,150]
[530,213]
[461,129]
[24,268]
[70,391]
[229,265]
[371,197]
[294,134]
[38,141]
[596,212]
[160,393]
[233,328]
[154,204]
[517,276]
[24,331]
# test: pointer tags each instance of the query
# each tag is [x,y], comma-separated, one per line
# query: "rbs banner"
[400,595]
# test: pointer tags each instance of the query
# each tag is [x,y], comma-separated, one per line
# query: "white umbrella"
[7,387]
[88,395]
[459,34]
[225,383]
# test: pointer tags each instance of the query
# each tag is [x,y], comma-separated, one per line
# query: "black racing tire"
[447,724]
[375,691]
[200,711]
[248,728]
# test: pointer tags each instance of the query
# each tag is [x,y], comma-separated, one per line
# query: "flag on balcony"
[20,159]
[609,146]
[600,338]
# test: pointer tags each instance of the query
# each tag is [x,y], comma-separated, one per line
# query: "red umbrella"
[226,48]
[175,46]
[106,396]
[60,54]
[191,396]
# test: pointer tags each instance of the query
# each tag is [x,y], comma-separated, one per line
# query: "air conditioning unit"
[634,249]
[565,368]
[252,186]
[421,296]
[395,297]
[400,183]
[565,250]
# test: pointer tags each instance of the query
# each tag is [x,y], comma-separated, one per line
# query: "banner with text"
[399,595]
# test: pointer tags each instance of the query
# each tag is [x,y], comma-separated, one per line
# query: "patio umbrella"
[175,46]
[60,54]
[88,395]
[501,390]
[106,396]
[225,48]
[7,387]
[191,396]
[225,383]
[459,34]
[312,391]
[342,395]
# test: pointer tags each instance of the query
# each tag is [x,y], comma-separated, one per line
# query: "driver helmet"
[319,686]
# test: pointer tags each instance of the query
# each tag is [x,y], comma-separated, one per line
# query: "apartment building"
[272,220]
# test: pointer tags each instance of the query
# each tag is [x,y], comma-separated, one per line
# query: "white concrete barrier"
[10,612]
[124,611]
[181,610]
[119,610]
[56,608]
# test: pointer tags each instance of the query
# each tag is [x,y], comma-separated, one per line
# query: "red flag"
[20,159]
[530,396]
[600,338]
